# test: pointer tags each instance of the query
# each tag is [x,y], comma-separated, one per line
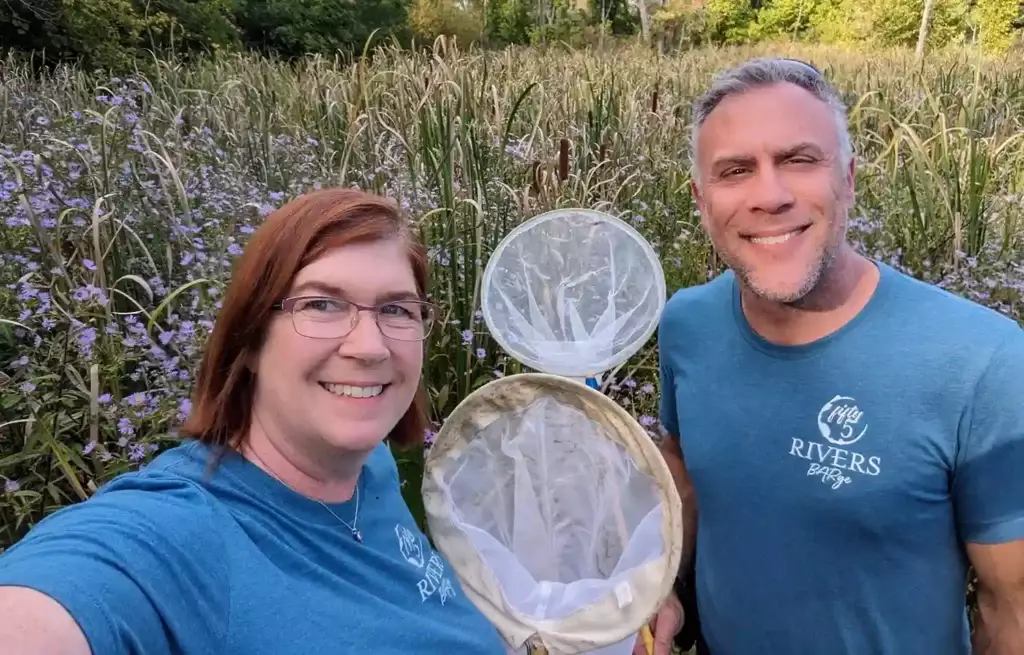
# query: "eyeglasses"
[322,317]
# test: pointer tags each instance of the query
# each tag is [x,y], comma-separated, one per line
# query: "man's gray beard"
[802,295]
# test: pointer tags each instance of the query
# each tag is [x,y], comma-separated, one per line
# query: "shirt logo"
[841,423]
[434,581]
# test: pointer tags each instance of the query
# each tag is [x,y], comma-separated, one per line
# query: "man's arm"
[1000,571]
[988,493]
[673,455]
[32,623]
[670,446]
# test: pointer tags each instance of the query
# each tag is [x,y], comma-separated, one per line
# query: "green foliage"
[430,19]
[786,19]
[291,29]
[728,21]
[117,34]
[508,22]
[678,24]
[889,23]
[617,14]
[123,35]
[199,25]
[570,26]
[995,20]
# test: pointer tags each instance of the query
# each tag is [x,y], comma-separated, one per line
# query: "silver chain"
[358,536]
[355,518]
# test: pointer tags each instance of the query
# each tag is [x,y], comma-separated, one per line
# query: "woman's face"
[343,393]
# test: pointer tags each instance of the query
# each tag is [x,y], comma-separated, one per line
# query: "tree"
[922,33]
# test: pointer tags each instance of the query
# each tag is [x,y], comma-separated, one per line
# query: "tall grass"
[126,200]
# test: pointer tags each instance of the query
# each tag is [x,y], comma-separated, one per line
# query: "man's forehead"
[770,118]
[775,148]
[779,100]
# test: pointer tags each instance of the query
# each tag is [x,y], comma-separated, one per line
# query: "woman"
[278,526]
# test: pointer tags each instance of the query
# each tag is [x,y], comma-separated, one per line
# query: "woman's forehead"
[380,269]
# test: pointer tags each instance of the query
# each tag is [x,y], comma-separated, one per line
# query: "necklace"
[358,536]
[355,518]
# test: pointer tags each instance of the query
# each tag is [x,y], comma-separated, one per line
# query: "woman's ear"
[252,361]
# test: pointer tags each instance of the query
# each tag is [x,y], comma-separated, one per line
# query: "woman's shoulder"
[130,562]
[162,506]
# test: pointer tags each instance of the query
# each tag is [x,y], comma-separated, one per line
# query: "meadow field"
[124,202]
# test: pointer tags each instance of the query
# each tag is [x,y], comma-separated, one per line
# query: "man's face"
[773,192]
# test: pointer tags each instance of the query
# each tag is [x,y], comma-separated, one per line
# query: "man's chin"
[787,291]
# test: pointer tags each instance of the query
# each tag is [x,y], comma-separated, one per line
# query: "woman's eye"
[397,311]
[322,305]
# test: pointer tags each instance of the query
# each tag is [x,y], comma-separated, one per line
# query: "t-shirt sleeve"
[139,570]
[988,483]
[668,413]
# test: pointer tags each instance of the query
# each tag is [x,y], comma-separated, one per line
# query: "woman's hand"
[665,626]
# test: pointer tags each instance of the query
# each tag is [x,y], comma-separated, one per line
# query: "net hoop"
[615,617]
[577,368]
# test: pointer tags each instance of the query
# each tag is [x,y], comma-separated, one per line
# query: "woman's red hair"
[290,239]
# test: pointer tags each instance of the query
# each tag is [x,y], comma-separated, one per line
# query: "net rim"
[587,368]
[448,540]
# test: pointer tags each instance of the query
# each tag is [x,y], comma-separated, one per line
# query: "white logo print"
[841,423]
[433,580]
[409,546]
[838,421]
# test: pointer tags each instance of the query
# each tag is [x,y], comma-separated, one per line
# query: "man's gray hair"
[763,72]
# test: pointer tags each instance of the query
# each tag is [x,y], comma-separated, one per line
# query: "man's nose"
[770,192]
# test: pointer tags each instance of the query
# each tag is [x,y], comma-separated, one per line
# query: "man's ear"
[698,200]
[853,173]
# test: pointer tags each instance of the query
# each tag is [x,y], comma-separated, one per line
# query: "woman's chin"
[357,436]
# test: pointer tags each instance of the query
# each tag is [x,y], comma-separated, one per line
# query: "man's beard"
[803,296]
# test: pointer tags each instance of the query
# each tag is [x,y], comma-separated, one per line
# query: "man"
[847,440]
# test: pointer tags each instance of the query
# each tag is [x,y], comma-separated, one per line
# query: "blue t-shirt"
[163,562]
[835,481]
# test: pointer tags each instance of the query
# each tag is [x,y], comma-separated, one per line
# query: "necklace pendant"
[357,535]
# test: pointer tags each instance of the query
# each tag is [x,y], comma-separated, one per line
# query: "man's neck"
[329,479]
[843,291]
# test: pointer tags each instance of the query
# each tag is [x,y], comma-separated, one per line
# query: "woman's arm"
[32,623]
[138,568]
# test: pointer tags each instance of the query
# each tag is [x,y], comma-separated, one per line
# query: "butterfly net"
[552,504]
[556,512]
[573,292]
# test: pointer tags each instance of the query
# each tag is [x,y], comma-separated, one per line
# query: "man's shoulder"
[938,312]
[704,302]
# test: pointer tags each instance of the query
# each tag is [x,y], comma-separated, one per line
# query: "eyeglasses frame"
[287,305]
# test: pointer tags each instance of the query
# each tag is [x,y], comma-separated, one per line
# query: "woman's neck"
[329,479]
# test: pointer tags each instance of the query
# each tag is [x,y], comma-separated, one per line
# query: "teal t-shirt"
[165,562]
[836,480]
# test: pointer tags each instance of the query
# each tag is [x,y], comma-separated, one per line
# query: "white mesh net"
[573,292]
[556,508]
[556,512]
[550,501]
